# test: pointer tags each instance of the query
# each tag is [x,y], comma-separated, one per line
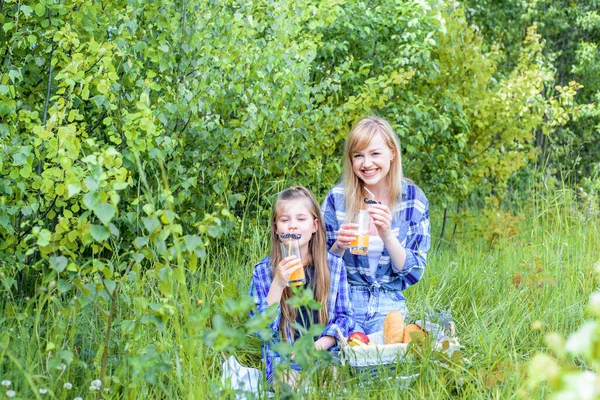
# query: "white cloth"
[375,251]
[243,380]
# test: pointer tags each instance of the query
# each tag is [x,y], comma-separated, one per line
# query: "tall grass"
[504,296]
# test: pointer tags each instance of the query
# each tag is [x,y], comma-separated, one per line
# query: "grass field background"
[505,293]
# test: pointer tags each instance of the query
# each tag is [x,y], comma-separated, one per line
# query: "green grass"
[554,252]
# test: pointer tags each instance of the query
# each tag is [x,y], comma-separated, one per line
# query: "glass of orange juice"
[360,245]
[291,248]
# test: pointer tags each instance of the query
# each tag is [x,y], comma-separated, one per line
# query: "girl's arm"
[275,292]
[259,291]
[266,289]
[325,342]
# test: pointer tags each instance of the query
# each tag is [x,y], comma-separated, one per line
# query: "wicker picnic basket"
[376,353]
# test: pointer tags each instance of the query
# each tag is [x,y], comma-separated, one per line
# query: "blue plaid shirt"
[410,224]
[338,305]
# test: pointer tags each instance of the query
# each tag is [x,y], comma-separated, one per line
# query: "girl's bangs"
[308,203]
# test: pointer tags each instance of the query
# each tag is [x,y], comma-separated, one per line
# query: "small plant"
[571,368]
[532,275]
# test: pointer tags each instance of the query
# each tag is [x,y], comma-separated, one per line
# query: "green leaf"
[214,231]
[26,10]
[14,75]
[151,223]
[102,86]
[90,199]
[67,356]
[105,212]
[63,286]
[192,242]
[39,9]
[73,189]
[44,238]
[110,285]
[140,242]
[166,288]
[99,233]
[179,275]
[91,183]
[58,263]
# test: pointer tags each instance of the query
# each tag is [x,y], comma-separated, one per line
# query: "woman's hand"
[345,236]
[284,270]
[382,218]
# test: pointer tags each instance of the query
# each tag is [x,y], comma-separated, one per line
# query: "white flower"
[96,384]
[595,303]
[11,393]
[581,341]
[43,390]
[77,398]
[68,385]
[6,383]
[61,367]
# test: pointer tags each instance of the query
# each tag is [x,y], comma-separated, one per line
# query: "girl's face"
[293,216]
[372,163]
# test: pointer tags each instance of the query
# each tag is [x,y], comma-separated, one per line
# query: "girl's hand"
[285,269]
[346,235]
[382,218]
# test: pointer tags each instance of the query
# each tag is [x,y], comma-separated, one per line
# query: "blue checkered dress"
[410,224]
[338,305]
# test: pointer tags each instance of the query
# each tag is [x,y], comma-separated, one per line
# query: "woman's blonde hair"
[358,139]
[317,247]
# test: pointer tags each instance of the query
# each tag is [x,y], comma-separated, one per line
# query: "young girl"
[296,211]
[399,223]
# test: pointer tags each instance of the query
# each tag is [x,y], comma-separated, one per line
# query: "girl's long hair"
[318,250]
[358,139]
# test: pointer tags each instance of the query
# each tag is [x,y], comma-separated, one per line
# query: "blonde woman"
[399,235]
[296,211]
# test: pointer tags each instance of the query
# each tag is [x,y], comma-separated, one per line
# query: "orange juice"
[298,278]
[360,245]
[292,248]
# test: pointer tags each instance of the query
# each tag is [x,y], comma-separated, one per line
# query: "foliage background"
[143,143]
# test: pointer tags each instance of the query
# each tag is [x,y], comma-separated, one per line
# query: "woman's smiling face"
[372,163]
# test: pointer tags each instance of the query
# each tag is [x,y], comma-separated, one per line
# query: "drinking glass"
[291,248]
[360,245]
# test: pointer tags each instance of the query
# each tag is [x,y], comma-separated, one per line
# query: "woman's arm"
[408,260]
[339,236]
[329,211]
[418,241]
[340,312]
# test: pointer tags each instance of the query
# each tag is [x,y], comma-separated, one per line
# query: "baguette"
[393,328]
